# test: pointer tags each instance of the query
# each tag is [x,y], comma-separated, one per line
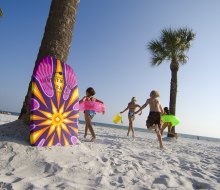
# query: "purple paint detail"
[41,143]
[34,104]
[43,73]
[73,139]
[76,106]
[32,127]
[58,144]
[70,81]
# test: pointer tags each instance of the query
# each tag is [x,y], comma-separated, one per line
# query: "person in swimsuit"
[89,114]
[154,117]
[131,116]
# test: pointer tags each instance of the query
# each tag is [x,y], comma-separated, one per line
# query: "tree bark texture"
[56,41]
[173,89]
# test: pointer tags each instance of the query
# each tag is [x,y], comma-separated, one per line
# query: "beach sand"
[114,161]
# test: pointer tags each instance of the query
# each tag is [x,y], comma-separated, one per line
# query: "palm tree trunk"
[1,13]
[173,90]
[56,41]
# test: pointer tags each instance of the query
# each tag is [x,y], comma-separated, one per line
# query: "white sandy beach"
[114,161]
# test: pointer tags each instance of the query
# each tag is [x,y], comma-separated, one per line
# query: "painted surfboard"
[54,104]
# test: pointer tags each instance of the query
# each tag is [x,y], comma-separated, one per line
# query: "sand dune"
[114,161]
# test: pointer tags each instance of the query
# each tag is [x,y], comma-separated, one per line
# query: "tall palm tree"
[172,46]
[1,13]
[56,40]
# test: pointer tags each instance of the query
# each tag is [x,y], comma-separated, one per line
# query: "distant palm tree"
[172,46]
[1,13]
[56,40]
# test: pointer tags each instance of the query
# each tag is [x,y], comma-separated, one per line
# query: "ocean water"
[150,131]
[15,113]
[145,130]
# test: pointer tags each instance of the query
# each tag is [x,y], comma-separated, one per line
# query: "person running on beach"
[154,117]
[131,116]
[167,124]
[89,114]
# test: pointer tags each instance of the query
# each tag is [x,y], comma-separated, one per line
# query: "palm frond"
[158,52]
[186,37]
[156,60]
[155,46]
[182,58]
[172,44]
[170,40]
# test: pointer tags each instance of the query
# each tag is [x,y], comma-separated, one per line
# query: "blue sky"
[109,53]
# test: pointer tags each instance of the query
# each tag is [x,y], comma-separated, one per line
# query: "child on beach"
[167,124]
[89,114]
[131,116]
[154,117]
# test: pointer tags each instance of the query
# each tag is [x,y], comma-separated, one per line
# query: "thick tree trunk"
[173,91]
[56,41]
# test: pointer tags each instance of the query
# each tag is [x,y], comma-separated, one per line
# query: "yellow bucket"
[117,118]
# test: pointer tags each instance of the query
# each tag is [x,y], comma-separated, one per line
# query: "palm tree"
[1,13]
[172,46]
[56,40]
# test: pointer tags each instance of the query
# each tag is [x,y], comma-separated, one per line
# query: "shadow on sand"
[15,131]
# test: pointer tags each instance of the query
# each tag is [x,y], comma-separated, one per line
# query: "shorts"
[153,119]
[90,112]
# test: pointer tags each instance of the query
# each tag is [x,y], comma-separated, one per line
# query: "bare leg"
[151,127]
[132,129]
[167,124]
[86,128]
[169,128]
[159,136]
[89,125]
[163,127]
[86,131]
[131,126]
[170,131]
[128,131]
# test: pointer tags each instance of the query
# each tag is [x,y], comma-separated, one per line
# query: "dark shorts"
[153,119]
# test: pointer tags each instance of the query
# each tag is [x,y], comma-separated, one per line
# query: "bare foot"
[93,139]
[85,136]
[176,135]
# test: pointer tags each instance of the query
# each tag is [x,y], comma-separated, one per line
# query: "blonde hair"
[133,99]
[154,94]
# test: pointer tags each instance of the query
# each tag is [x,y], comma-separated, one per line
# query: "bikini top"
[86,98]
